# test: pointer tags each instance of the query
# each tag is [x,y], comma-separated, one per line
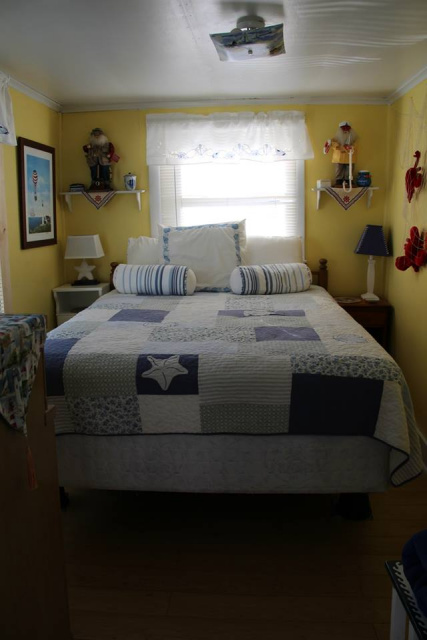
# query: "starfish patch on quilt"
[164,371]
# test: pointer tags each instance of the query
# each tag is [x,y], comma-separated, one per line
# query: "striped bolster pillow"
[270,278]
[154,279]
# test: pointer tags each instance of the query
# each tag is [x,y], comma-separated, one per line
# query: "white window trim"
[154,193]
[301,201]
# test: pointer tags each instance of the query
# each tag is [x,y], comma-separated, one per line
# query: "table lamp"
[84,247]
[372,243]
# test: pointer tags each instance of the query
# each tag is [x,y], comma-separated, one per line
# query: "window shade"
[269,197]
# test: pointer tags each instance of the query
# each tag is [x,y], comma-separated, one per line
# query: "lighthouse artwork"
[37,191]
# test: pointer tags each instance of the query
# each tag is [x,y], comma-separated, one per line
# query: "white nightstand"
[69,300]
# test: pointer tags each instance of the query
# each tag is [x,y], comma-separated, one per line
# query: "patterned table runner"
[345,198]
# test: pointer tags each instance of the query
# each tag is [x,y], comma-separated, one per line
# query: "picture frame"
[37,189]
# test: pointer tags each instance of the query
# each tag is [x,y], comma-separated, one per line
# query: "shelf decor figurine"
[343,154]
[130,181]
[372,243]
[100,154]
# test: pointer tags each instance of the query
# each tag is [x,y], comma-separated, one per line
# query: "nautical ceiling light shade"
[88,246]
[250,39]
[372,243]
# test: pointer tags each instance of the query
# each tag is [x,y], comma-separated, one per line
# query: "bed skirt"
[224,463]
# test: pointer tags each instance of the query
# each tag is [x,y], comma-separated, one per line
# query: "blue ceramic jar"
[363,179]
[130,181]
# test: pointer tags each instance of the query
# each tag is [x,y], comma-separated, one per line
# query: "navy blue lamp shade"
[372,241]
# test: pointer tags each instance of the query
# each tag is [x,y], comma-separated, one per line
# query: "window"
[269,196]
[229,166]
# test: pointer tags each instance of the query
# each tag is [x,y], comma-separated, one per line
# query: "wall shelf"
[369,192]
[136,192]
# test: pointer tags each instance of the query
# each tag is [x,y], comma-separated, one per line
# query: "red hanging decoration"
[414,177]
[415,251]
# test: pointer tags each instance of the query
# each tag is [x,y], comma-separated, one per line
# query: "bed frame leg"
[354,506]
[63,498]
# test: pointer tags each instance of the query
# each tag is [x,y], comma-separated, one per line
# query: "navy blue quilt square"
[139,315]
[56,351]
[333,405]
[285,333]
[167,374]
[290,312]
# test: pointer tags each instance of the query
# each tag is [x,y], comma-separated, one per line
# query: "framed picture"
[36,168]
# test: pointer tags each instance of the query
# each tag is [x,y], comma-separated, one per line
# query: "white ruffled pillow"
[272,250]
[143,250]
[212,251]
[271,278]
[154,280]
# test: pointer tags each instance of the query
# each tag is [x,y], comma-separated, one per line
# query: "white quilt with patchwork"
[222,363]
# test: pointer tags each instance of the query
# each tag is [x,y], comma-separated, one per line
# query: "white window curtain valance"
[7,124]
[180,138]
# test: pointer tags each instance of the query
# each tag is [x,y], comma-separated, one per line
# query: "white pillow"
[272,250]
[154,280]
[270,278]
[143,250]
[211,251]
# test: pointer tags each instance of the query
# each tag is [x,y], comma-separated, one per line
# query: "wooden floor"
[188,567]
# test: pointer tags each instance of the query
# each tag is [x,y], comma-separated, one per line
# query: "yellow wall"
[331,232]
[33,272]
[407,290]
[120,219]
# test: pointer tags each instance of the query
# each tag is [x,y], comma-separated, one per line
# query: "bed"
[218,392]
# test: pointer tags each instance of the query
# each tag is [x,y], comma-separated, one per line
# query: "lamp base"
[370,297]
[84,282]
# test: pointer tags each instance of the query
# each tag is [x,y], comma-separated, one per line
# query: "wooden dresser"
[33,594]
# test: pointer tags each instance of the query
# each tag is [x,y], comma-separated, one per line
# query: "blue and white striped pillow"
[257,279]
[154,279]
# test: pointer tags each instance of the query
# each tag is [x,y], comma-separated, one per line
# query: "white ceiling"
[92,53]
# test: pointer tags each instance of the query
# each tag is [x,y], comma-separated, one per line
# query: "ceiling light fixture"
[250,39]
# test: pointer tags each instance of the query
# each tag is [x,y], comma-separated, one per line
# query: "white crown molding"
[407,86]
[184,104]
[35,95]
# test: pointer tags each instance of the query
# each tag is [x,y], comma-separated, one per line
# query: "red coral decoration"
[415,251]
[414,177]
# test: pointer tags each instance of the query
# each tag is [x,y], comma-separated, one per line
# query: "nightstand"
[69,300]
[375,317]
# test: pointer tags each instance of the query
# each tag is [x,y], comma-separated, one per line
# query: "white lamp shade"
[83,247]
